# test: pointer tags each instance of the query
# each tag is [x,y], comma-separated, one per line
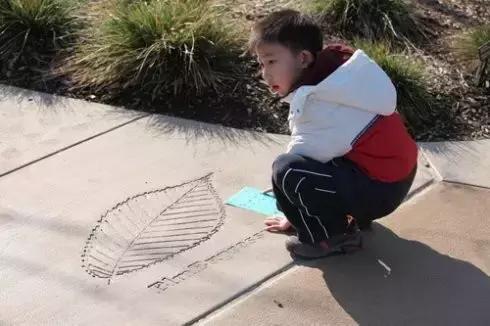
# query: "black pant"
[317,197]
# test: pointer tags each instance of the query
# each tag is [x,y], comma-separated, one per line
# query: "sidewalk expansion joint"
[72,145]
[423,189]
[241,295]
[465,184]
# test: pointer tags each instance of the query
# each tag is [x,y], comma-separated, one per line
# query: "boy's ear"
[306,58]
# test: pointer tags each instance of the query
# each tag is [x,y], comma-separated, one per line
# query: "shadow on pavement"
[424,287]
[51,105]
[21,94]
[157,124]
[454,152]
[195,130]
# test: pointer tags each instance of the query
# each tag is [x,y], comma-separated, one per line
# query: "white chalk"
[386,267]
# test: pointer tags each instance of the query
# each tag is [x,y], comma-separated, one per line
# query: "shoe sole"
[344,250]
[351,248]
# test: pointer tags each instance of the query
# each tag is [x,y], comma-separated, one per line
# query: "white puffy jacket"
[325,120]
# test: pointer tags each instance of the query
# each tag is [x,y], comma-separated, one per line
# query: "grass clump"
[466,44]
[33,31]
[414,102]
[156,47]
[391,20]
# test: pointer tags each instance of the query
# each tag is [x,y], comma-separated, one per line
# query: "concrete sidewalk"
[83,236]
[33,125]
[427,264]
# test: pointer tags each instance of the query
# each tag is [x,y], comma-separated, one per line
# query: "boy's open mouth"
[275,88]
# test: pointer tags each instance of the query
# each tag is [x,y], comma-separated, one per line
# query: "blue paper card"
[255,200]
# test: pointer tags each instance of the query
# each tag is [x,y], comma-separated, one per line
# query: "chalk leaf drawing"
[151,227]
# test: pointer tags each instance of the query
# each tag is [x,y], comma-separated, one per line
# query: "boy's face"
[281,67]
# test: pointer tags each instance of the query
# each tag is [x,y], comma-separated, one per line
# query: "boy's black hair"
[289,28]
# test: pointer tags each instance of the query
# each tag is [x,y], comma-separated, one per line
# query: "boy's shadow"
[424,287]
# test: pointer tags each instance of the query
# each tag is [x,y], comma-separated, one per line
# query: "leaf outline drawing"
[151,227]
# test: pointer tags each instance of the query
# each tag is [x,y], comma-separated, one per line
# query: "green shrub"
[415,103]
[466,44]
[32,31]
[156,47]
[390,20]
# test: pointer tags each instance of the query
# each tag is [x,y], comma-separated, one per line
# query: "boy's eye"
[267,62]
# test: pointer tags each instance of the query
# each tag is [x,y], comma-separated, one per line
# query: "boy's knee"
[283,163]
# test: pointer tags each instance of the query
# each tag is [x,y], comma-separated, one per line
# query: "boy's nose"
[264,75]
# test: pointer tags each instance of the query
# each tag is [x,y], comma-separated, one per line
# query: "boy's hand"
[278,224]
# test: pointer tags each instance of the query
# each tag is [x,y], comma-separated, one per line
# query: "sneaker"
[338,245]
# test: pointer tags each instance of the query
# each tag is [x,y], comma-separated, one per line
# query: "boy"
[350,159]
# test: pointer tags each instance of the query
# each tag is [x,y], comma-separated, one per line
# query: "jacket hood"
[327,61]
[357,82]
